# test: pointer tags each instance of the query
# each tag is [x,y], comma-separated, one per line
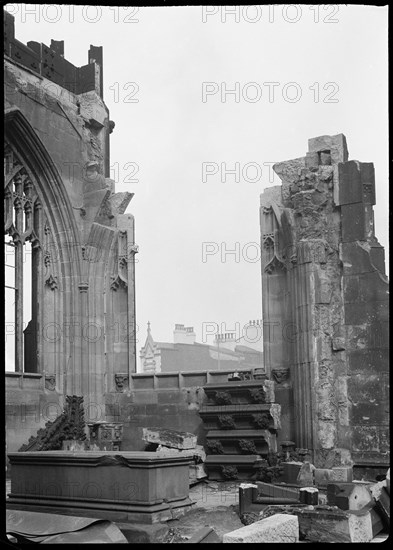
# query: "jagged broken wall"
[325,305]
[58,196]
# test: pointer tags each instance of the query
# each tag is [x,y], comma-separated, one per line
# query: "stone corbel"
[50,382]
[280,375]
[121,381]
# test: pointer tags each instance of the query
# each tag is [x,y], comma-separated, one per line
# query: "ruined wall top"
[49,62]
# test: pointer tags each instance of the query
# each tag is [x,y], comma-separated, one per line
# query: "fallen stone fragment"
[277,491]
[277,528]
[196,472]
[348,496]
[341,473]
[330,524]
[205,535]
[376,488]
[170,438]
[383,507]
[197,454]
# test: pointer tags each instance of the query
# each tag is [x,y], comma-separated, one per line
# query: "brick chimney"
[226,340]
[183,335]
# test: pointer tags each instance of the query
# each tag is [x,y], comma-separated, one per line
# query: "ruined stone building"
[69,245]
[70,283]
[326,293]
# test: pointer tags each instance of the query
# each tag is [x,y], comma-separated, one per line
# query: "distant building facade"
[185,354]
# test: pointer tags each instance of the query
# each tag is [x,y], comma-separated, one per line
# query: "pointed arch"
[54,225]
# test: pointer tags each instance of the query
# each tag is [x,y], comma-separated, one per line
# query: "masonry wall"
[57,138]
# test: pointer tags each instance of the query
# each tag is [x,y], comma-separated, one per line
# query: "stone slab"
[277,528]
[170,438]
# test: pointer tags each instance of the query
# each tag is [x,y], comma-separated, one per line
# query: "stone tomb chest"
[138,487]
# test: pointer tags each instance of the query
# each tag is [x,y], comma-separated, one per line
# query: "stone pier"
[325,305]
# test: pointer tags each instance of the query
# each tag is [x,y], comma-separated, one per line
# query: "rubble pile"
[177,443]
[331,508]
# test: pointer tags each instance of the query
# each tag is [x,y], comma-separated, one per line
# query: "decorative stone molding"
[83,286]
[105,435]
[121,381]
[229,472]
[222,398]
[226,422]
[257,395]
[69,425]
[280,375]
[215,446]
[247,447]
[262,420]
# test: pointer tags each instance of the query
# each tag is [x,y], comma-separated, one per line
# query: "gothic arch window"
[23,251]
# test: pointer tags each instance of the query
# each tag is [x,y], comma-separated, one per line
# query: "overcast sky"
[330,66]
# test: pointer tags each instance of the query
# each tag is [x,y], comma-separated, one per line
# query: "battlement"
[49,62]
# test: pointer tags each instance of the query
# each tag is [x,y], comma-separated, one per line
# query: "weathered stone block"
[341,473]
[196,472]
[348,496]
[277,528]
[322,524]
[170,438]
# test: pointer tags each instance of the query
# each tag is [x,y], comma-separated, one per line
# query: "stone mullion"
[8,207]
[37,282]
[19,212]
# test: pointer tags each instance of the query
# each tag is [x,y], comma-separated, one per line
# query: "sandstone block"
[277,528]
[170,438]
